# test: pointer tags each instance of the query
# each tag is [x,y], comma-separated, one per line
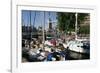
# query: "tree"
[81,19]
[66,22]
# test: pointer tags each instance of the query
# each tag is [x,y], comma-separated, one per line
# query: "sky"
[37,18]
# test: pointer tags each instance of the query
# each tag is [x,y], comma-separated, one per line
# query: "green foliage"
[66,22]
[84,30]
[81,17]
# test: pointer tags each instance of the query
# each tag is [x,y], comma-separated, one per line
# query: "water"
[78,56]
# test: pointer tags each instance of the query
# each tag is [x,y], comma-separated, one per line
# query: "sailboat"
[77,45]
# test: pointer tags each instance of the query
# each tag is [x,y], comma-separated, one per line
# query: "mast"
[23,25]
[34,19]
[44,30]
[30,27]
[76,14]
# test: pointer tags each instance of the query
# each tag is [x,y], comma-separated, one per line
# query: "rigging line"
[27,24]
[49,17]
[30,30]
[41,19]
[34,18]
[49,14]
[23,24]
[29,21]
